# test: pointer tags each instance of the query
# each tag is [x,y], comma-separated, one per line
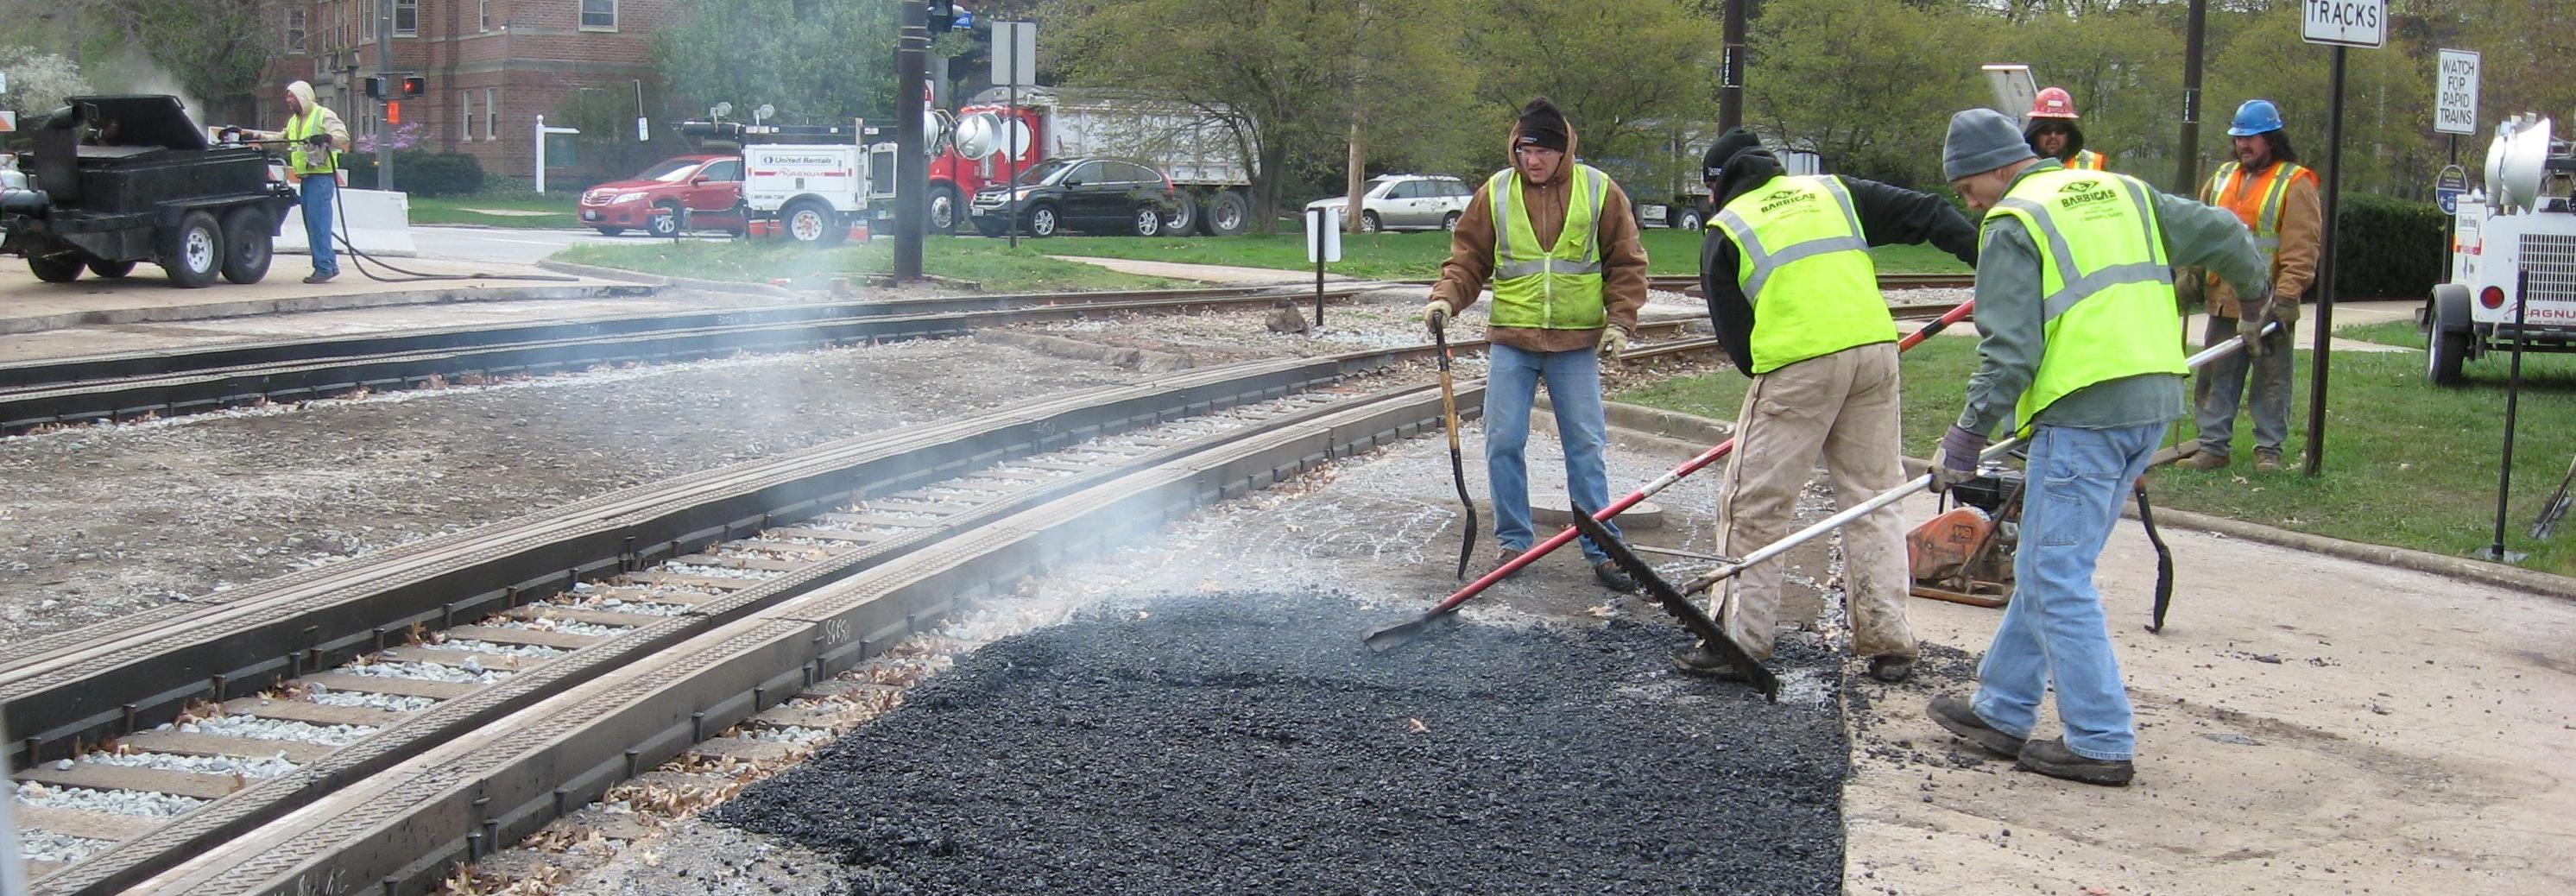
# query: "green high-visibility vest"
[300,127]
[1548,287]
[1804,265]
[2107,290]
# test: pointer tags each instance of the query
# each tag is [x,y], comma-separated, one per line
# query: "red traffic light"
[415,85]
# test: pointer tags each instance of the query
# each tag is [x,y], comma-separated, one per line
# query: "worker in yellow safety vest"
[315,137]
[2082,350]
[2050,128]
[1793,294]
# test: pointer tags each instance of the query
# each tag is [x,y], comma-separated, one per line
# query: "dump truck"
[1191,146]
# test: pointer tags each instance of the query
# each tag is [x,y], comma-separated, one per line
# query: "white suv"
[1406,202]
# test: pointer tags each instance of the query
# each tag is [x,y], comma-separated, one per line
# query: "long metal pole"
[2512,404]
[2326,275]
[1730,90]
[385,69]
[911,165]
[2187,157]
[1011,153]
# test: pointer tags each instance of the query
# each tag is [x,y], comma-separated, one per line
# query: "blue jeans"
[1574,390]
[2054,631]
[319,189]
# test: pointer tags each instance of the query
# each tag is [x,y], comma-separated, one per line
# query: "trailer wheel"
[811,222]
[1225,213]
[2443,352]
[54,270]
[943,208]
[111,269]
[1183,216]
[247,249]
[191,252]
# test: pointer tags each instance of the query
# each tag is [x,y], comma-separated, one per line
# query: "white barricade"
[379,222]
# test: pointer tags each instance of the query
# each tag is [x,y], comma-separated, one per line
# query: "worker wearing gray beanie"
[2082,350]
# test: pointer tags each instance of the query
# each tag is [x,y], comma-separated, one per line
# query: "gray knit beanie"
[1981,140]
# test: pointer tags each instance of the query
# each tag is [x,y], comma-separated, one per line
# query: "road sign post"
[2342,24]
[1015,62]
[1323,244]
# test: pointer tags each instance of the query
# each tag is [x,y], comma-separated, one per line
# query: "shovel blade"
[1671,599]
[1403,633]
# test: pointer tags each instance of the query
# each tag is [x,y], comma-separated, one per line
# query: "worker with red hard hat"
[2050,129]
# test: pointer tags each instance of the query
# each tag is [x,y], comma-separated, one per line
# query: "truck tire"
[813,223]
[192,253]
[1042,220]
[59,269]
[945,208]
[111,269]
[2448,334]
[1686,219]
[1183,217]
[247,244]
[1146,220]
[1224,213]
[664,222]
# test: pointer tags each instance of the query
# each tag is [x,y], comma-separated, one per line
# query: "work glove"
[1435,315]
[2285,309]
[1957,460]
[318,141]
[2251,315]
[1614,342]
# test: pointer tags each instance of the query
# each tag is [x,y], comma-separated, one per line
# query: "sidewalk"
[28,305]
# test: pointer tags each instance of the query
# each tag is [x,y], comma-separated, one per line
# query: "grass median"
[1413,256]
[991,263]
[2407,464]
[515,209]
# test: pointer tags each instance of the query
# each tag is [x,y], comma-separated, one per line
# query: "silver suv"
[1406,202]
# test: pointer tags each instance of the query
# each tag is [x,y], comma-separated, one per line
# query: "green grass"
[2407,464]
[1415,256]
[991,263]
[460,209]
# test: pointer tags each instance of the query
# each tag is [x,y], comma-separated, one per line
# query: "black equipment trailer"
[123,179]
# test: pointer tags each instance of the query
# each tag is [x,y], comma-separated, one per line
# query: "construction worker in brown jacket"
[2276,197]
[1557,240]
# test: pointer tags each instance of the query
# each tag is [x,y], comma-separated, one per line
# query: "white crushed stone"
[276,729]
[425,672]
[640,607]
[116,802]
[565,626]
[255,767]
[792,735]
[537,651]
[395,702]
[47,846]
[716,572]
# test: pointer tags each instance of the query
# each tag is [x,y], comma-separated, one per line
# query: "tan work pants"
[1844,406]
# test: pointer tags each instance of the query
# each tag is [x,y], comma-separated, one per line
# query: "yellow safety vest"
[1805,267]
[2107,290]
[300,127]
[2088,160]
[1548,287]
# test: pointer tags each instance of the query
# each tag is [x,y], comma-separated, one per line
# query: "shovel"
[1457,460]
[1403,633]
[1679,606]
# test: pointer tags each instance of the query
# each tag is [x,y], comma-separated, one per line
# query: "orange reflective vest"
[2256,198]
[2088,160]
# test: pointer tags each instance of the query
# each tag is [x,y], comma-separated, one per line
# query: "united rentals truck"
[811,184]
[1195,148]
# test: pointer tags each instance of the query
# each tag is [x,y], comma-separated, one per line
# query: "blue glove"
[1957,460]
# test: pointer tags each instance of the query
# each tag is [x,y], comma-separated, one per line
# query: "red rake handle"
[1666,481]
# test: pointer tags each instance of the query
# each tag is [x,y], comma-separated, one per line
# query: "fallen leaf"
[1417,726]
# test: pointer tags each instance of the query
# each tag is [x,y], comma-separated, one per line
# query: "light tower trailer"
[810,183]
[2522,224]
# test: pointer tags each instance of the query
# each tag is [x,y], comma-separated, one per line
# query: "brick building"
[493,66]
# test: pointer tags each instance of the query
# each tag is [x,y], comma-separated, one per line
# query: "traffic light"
[376,87]
[415,85]
[943,13]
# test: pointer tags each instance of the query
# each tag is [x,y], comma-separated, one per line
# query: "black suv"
[1093,195]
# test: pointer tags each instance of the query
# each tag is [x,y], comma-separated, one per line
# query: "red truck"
[1197,152]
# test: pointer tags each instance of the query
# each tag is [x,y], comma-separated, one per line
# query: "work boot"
[2203,461]
[1891,668]
[319,277]
[2267,460]
[2051,757]
[1701,660]
[1955,714]
[1608,573]
[1507,556]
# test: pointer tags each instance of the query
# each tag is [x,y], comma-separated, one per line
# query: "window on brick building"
[295,30]
[366,22]
[465,115]
[483,14]
[599,15]
[491,113]
[406,18]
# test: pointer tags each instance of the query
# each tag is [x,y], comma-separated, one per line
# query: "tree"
[1628,75]
[38,82]
[214,50]
[1867,84]
[818,63]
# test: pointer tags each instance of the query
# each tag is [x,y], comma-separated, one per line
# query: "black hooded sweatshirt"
[1887,215]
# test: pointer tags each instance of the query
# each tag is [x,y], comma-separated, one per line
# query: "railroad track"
[1700,344]
[365,726]
[168,383]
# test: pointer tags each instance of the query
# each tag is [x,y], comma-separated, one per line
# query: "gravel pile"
[1249,743]
[276,729]
[261,767]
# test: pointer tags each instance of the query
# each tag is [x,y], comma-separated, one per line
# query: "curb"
[257,307]
[1689,429]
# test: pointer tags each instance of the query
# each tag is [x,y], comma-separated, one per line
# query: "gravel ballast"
[1249,743]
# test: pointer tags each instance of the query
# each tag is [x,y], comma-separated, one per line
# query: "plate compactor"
[1964,554]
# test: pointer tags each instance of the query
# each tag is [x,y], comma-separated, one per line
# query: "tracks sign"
[2351,23]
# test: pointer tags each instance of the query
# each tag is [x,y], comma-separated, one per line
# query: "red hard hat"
[2053,102]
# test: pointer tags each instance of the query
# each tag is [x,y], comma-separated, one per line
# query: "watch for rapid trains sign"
[2455,99]
[2351,23]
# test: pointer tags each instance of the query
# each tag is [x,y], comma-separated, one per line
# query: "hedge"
[420,172]
[2390,248]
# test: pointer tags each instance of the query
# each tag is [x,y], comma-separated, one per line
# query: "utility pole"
[911,165]
[1730,89]
[1352,179]
[2187,159]
[385,71]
